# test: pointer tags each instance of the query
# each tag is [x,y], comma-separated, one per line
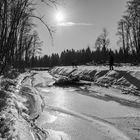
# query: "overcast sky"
[83,23]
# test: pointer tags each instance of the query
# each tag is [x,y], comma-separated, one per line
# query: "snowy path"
[78,117]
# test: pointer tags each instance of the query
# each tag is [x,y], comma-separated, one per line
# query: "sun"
[60,16]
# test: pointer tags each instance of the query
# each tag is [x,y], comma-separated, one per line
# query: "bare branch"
[46,25]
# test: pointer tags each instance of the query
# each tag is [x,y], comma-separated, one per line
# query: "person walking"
[111,62]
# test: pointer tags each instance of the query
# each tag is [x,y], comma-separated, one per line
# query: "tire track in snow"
[102,125]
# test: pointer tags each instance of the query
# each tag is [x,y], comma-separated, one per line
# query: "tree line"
[82,57]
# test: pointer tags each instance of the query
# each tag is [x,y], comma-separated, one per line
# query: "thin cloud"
[66,24]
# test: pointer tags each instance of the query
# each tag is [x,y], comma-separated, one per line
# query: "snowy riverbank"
[20,107]
[126,79]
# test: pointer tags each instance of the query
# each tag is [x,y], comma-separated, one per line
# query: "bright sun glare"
[60,17]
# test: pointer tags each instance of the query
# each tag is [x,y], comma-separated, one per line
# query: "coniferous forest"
[84,56]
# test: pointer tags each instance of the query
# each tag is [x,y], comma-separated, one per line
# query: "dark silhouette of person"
[111,62]
[74,65]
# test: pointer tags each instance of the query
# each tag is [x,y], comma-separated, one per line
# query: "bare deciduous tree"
[102,40]
[129,28]
[17,36]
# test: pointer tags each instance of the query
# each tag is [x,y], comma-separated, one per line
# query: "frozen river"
[74,116]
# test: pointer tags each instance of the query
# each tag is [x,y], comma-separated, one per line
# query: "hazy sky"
[83,23]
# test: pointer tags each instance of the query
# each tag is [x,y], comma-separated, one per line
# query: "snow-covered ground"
[104,107]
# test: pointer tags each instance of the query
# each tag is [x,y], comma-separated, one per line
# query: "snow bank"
[20,107]
[10,118]
[121,78]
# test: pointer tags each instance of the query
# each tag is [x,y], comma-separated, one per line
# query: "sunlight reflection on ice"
[60,98]
[44,90]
